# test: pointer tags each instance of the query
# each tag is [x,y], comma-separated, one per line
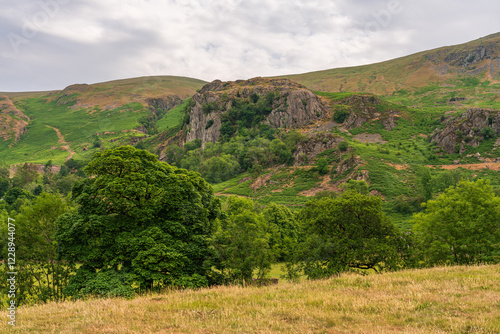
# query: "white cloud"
[97,40]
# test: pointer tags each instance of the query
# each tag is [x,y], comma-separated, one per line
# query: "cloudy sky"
[50,44]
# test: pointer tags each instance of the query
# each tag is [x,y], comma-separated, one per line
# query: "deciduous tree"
[139,219]
[461,226]
[350,231]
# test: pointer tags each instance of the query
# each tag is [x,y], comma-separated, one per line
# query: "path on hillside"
[480,166]
[64,142]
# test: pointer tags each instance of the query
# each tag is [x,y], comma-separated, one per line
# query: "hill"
[448,299]
[429,116]
[443,66]
[43,126]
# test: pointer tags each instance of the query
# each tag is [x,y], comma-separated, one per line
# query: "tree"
[343,146]
[139,220]
[16,197]
[4,171]
[4,186]
[424,181]
[461,226]
[48,175]
[218,169]
[322,166]
[173,155]
[241,242]
[283,229]
[64,184]
[281,153]
[24,175]
[347,232]
[358,186]
[44,276]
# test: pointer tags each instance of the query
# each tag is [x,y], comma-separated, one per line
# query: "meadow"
[436,300]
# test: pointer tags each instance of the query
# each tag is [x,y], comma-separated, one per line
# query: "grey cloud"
[91,40]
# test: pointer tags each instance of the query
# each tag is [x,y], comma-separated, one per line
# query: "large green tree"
[461,226]
[347,232]
[140,220]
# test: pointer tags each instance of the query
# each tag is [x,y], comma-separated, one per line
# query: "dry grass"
[439,300]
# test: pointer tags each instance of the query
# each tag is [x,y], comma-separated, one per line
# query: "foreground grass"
[448,300]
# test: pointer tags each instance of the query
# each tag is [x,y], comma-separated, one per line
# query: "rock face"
[156,105]
[364,108]
[293,105]
[314,145]
[471,128]
[13,122]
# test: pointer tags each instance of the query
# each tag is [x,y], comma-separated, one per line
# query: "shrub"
[343,146]
[209,124]
[488,132]
[322,166]
[341,115]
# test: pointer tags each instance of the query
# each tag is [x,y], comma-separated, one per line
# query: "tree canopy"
[139,219]
[461,226]
[350,231]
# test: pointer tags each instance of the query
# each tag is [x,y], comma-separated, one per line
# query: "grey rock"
[293,106]
[470,125]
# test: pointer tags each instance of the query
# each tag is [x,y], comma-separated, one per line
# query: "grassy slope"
[406,146]
[438,300]
[413,71]
[125,88]
[110,109]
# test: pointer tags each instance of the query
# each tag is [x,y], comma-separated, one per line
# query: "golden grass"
[438,300]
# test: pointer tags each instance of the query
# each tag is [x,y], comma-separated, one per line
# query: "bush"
[192,145]
[488,132]
[209,124]
[209,107]
[97,142]
[322,166]
[105,283]
[343,146]
[341,115]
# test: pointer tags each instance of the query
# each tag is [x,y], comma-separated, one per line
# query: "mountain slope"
[479,58]
[86,116]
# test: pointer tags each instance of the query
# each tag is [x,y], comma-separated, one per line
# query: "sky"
[50,44]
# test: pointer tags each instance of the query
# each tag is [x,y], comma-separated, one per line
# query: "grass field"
[438,300]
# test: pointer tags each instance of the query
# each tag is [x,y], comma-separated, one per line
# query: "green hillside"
[388,137]
[74,122]
[439,68]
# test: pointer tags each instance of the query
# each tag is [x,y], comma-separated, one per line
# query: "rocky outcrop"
[472,56]
[161,104]
[292,105]
[471,128]
[365,108]
[13,122]
[314,145]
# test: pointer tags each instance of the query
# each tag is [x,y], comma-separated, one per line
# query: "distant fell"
[117,93]
[479,58]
